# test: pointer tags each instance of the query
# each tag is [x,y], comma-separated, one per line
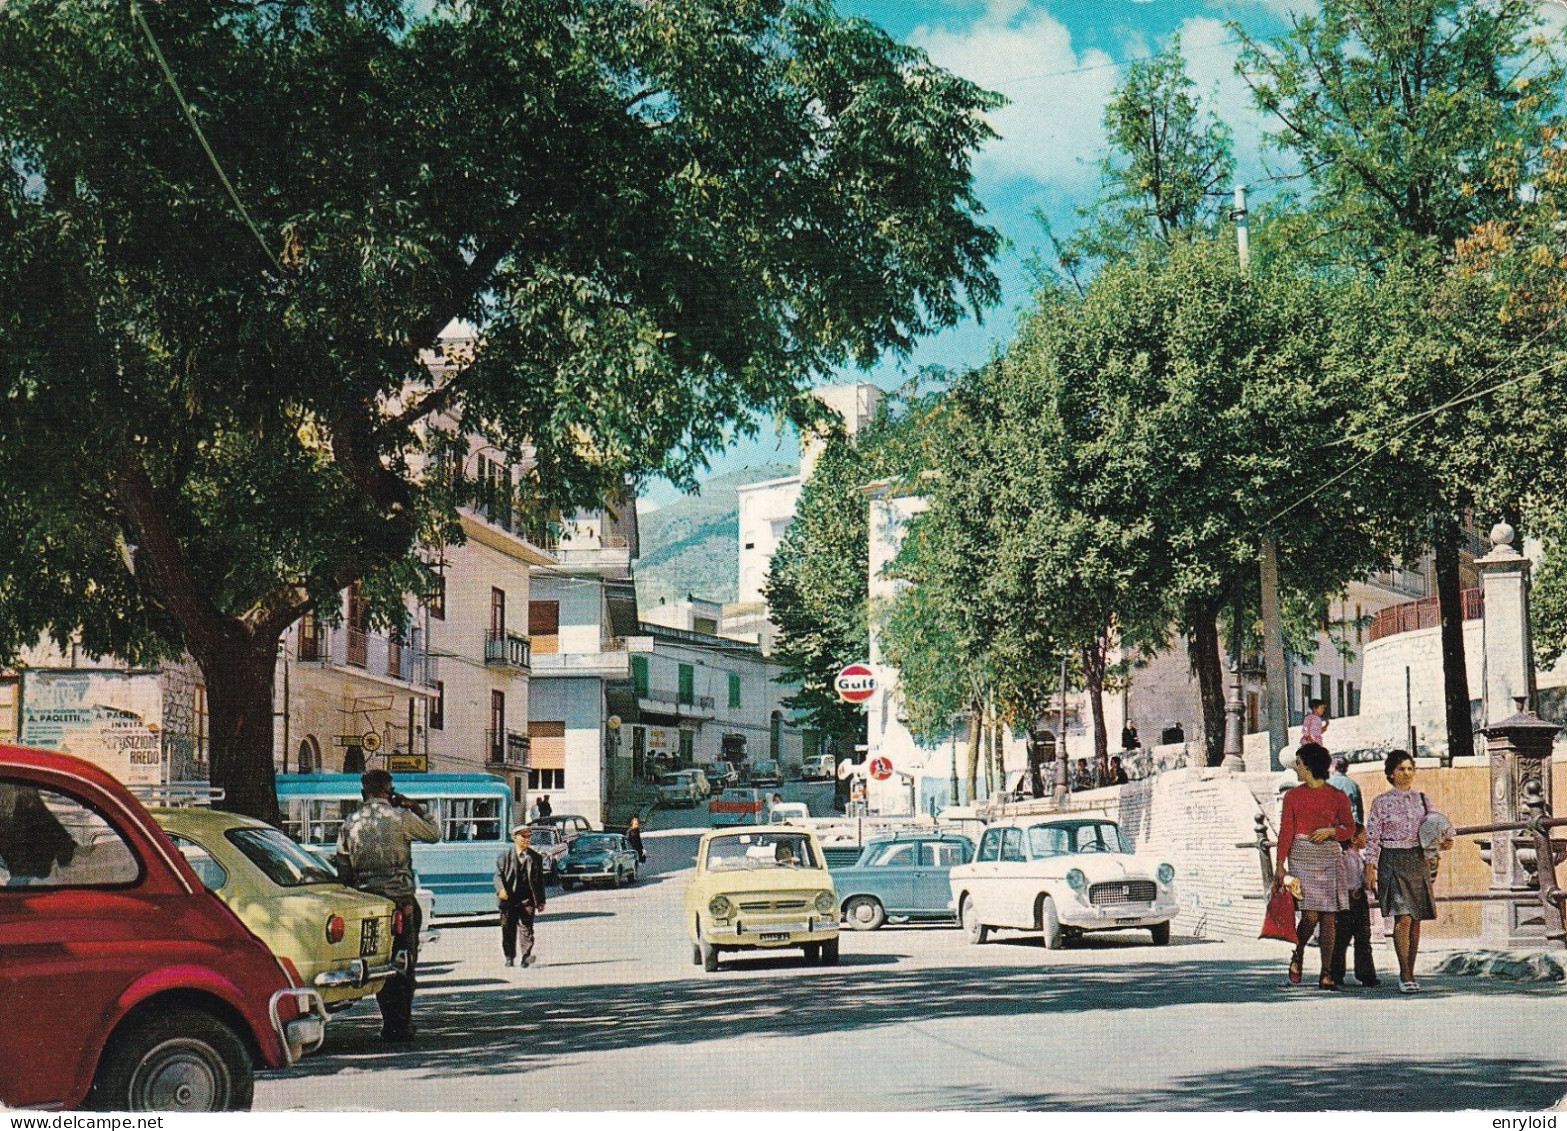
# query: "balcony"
[374,655]
[1424,613]
[609,662]
[673,703]
[358,648]
[505,750]
[507,650]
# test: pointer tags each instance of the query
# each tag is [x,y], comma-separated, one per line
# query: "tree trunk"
[240,680]
[1202,647]
[976,727]
[990,748]
[1094,677]
[1455,666]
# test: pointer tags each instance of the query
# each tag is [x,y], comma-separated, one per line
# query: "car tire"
[975,931]
[830,953]
[180,1060]
[1050,924]
[864,913]
[709,957]
[813,953]
[1161,933]
[567,885]
[696,954]
[619,880]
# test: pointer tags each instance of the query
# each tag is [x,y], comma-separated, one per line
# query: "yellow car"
[333,938]
[759,888]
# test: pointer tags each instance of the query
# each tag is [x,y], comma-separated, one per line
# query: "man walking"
[374,855]
[1340,780]
[519,887]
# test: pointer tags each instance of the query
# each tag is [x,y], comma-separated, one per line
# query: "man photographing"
[374,855]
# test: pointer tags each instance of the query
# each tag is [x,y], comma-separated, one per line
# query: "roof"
[415,785]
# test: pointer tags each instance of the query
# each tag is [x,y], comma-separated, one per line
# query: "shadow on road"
[515,1027]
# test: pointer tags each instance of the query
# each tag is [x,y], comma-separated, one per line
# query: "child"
[1315,722]
[1356,922]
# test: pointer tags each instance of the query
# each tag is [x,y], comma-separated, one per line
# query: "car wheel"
[976,931]
[567,885]
[1161,933]
[709,957]
[696,954]
[619,880]
[634,876]
[830,952]
[1049,923]
[813,953]
[864,913]
[182,1060]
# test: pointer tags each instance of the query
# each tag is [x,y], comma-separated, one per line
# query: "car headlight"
[1166,873]
[1075,879]
[826,902]
[720,907]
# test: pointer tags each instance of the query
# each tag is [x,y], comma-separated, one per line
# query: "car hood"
[589,857]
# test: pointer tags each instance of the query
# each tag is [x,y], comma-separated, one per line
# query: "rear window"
[283,861]
[50,839]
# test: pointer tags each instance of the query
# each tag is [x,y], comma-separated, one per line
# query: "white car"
[788,813]
[823,767]
[684,787]
[1062,876]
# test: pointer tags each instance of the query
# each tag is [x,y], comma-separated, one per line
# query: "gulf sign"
[855,683]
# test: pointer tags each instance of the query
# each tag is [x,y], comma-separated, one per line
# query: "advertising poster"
[110,718]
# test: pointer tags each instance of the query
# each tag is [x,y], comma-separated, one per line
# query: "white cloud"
[1052,130]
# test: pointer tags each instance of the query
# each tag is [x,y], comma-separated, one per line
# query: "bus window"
[315,821]
[470,818]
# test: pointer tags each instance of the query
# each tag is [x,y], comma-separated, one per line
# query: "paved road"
[616,1017]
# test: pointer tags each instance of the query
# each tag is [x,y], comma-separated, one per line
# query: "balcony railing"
[358,648]
[394,659]
[703,702]
[1424,613]
[507,649]
[373,652]
[506,749]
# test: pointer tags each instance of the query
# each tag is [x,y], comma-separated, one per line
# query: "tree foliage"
[662,217]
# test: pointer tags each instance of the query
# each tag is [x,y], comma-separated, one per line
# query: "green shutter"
[639,676]
[687,683]
[734,690]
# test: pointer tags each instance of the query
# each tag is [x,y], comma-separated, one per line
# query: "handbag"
[1279,922]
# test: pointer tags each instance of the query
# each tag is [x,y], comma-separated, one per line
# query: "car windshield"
[544,836]
[284,862]
[746,851]
[599,842]
[1058,840]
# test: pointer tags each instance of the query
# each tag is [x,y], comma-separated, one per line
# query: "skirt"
[1319,869]
[1404,883]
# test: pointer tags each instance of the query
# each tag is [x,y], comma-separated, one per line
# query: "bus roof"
[414,785]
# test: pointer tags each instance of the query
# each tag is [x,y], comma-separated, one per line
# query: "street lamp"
[956,800]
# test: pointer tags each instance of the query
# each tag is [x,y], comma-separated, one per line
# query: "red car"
[124,984]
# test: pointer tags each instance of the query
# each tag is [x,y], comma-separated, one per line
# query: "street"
[615,1016]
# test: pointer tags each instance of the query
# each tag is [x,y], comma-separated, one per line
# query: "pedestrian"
[1340,780]
[1354,925]
[1396,865]
[1129,739]
[1313,825]
[374,855]
[519,888]
[634,838]
[1082,776]
[545,809]
[1315,722]
[1117,771]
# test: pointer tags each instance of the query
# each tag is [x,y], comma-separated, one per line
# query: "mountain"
[693,544]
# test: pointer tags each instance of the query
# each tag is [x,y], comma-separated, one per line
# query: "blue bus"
[472,810]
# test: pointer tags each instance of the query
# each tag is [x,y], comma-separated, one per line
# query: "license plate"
[369,937]
[774,936]
[1133,919]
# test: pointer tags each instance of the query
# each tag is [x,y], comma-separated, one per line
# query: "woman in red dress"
[1314,825]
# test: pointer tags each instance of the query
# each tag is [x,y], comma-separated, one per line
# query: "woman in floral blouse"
[1395,864]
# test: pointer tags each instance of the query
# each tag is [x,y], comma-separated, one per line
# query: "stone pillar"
[1508,647]
[1235,723]
[1520,750]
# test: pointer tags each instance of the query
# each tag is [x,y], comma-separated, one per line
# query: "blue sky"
[1057,62]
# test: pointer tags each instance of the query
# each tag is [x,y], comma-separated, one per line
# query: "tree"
[1168,161]
[663,218]
[1402,116]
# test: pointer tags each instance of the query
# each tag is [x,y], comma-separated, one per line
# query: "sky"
[1057,62]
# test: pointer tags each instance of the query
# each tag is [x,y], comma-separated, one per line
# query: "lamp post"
[956,800]
[1059,792]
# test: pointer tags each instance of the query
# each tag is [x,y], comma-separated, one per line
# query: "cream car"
[761,887]
[1062,876]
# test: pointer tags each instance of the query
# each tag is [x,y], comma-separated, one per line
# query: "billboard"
[111,718]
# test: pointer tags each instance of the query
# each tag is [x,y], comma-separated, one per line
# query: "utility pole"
[1275,685]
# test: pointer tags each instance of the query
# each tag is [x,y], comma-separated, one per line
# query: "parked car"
[329,936]
[126,985]
[823,767]
[599,858]
[765,773]
[1062,877]
[550,843]
[761,888]
[903,875]
[683,787]
[570,825]
[788,812]
[721,775]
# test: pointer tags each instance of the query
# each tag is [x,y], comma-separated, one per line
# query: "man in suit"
[519,886]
